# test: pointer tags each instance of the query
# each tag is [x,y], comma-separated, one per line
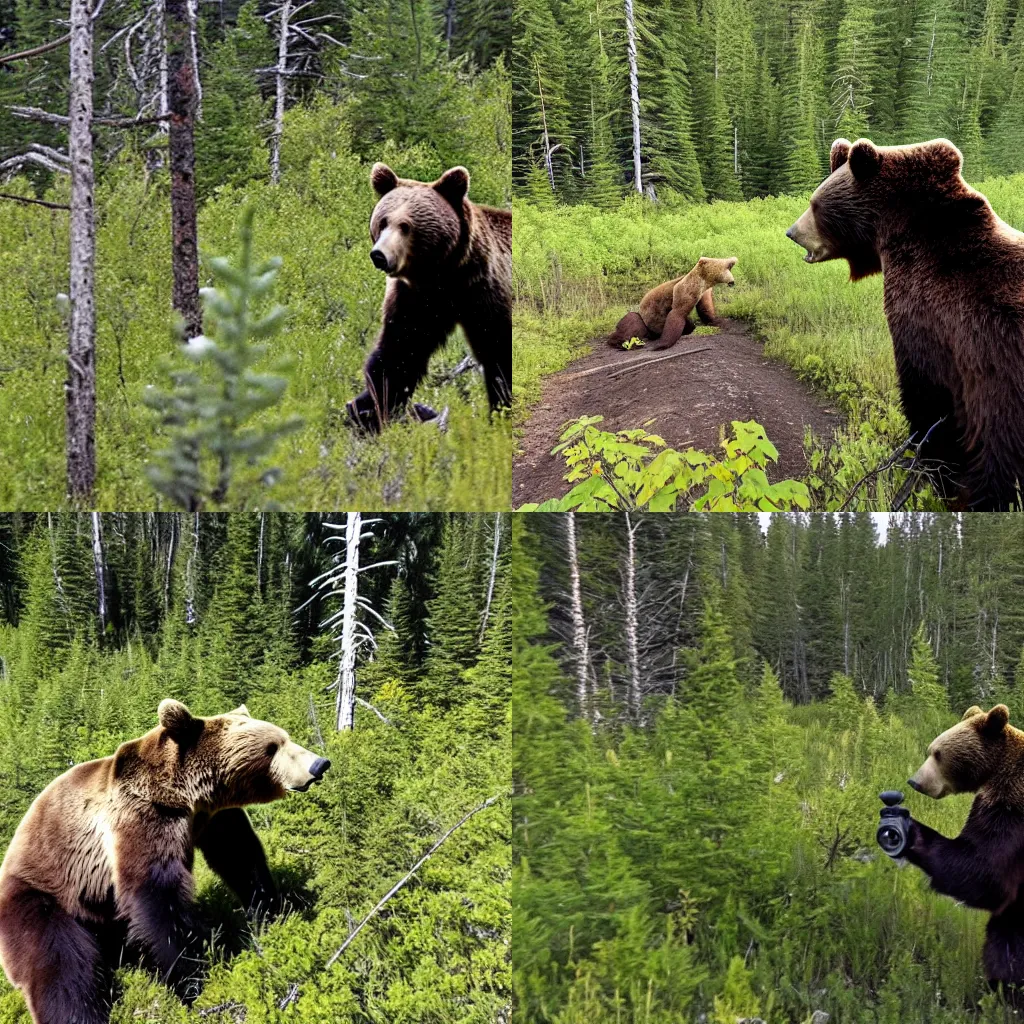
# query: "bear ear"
[944,156]
[383,179]
[241,710]
[971,712]
[839,153]
[453,185]
[731,262]
[865,159]
[995,720]
[175,717]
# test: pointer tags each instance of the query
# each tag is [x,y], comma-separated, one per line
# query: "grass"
[576,270]
[317,221]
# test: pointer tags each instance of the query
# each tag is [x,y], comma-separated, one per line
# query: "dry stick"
[46,47]
[394,889]
[633,366]
[35,114]
[34,202]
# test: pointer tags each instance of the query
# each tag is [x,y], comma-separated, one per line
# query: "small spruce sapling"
[209,409]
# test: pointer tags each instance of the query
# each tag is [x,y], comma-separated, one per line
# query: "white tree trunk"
[494,573]
[634,94]
[193,26]
[580,642]
[101,572]
[282,67]
[346,711]
[259,555]
[80,398]
[632,627]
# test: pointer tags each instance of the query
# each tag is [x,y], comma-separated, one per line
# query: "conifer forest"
[102,616]
[705,710]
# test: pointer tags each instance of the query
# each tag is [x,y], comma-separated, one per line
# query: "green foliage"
[575,269]
[625,470]
[208,415]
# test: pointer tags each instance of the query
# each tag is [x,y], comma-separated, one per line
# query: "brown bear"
[448,262]
[665,311]
[982,867]
[106,850]
[954,299]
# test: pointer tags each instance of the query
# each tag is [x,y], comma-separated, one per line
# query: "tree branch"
[35,202]
[47,47]
[369,707]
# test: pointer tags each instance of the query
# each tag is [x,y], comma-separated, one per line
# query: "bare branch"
[47,47]
[34,202]
[369,707]
[17,162]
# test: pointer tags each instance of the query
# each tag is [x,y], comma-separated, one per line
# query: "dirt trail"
[688,398]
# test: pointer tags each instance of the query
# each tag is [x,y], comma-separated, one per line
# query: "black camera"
[894,828]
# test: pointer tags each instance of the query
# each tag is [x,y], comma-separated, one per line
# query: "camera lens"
[891,839]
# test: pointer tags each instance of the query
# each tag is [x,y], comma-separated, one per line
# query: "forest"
[279,110]
[705,708]
[104,615]
[732,99]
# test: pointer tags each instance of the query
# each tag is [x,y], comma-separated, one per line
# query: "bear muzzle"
[805,233]
[316,774]
[380,260]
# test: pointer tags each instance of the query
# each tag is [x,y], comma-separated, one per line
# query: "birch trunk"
[101,572]
[634,94]
[193,36]
[282,67]
[182,105]
[346,710]
[80,398]
[494,573]
[580,643]
[632,626]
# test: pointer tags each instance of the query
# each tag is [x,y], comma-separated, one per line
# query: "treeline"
[813,595]
[395,65]
[742,98]
[716,860]
[103,615]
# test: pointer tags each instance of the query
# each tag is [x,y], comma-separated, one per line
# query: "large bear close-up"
[982,866]
[954,300]
[104,855]
[449,263]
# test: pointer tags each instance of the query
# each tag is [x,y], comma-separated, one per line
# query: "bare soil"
[689,399]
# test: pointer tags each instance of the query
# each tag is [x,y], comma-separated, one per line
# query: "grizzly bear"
[448,262]
[106,851]
[981,754]
[665,310]
[954,298]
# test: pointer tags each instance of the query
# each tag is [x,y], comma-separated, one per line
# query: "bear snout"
[380,261]
[915,785]
[318,767]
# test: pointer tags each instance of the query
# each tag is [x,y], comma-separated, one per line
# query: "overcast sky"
[881,522]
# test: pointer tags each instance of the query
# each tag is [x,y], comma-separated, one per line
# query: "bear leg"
[706,308]
[630,326]
[234,852]
[677,325]
[1003,954]
[53,959]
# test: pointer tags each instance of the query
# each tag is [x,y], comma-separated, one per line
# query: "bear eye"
[271,749]
[937,755]
[404,228]
[383,223]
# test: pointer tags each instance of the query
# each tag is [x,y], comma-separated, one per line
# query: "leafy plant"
[210,414]
[633,469]
[633,343]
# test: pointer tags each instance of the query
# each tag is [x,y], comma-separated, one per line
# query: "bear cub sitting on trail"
[665,310]
[954,298]
[982,867]
[105,853]
[448,262]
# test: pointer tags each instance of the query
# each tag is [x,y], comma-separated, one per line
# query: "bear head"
[214,763]
[970,755]
[717,271]
[416,226]
[869,189]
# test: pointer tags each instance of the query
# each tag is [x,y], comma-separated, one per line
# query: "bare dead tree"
[493,575]
[100,568]
[580,639]
[282,70]
[631,624]
[182,102]
[634,94]
[80,389]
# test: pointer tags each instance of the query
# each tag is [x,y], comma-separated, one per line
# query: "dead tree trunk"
[99,564]
[634,94]
[632,623]
[80,396]
[580,641]
[282,68]
[494,573]
[182,100]
[346,710]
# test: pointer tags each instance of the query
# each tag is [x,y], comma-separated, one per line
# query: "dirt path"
[688,398]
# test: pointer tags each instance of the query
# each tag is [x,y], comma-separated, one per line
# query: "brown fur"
[984,866]
[449,263]
[110,843]
[665,310]
[954,299]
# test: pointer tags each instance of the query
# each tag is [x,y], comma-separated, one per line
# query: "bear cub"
[665,310]
[449,262]
[105,853]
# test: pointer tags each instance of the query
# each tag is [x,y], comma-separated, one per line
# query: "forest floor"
[688,398]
